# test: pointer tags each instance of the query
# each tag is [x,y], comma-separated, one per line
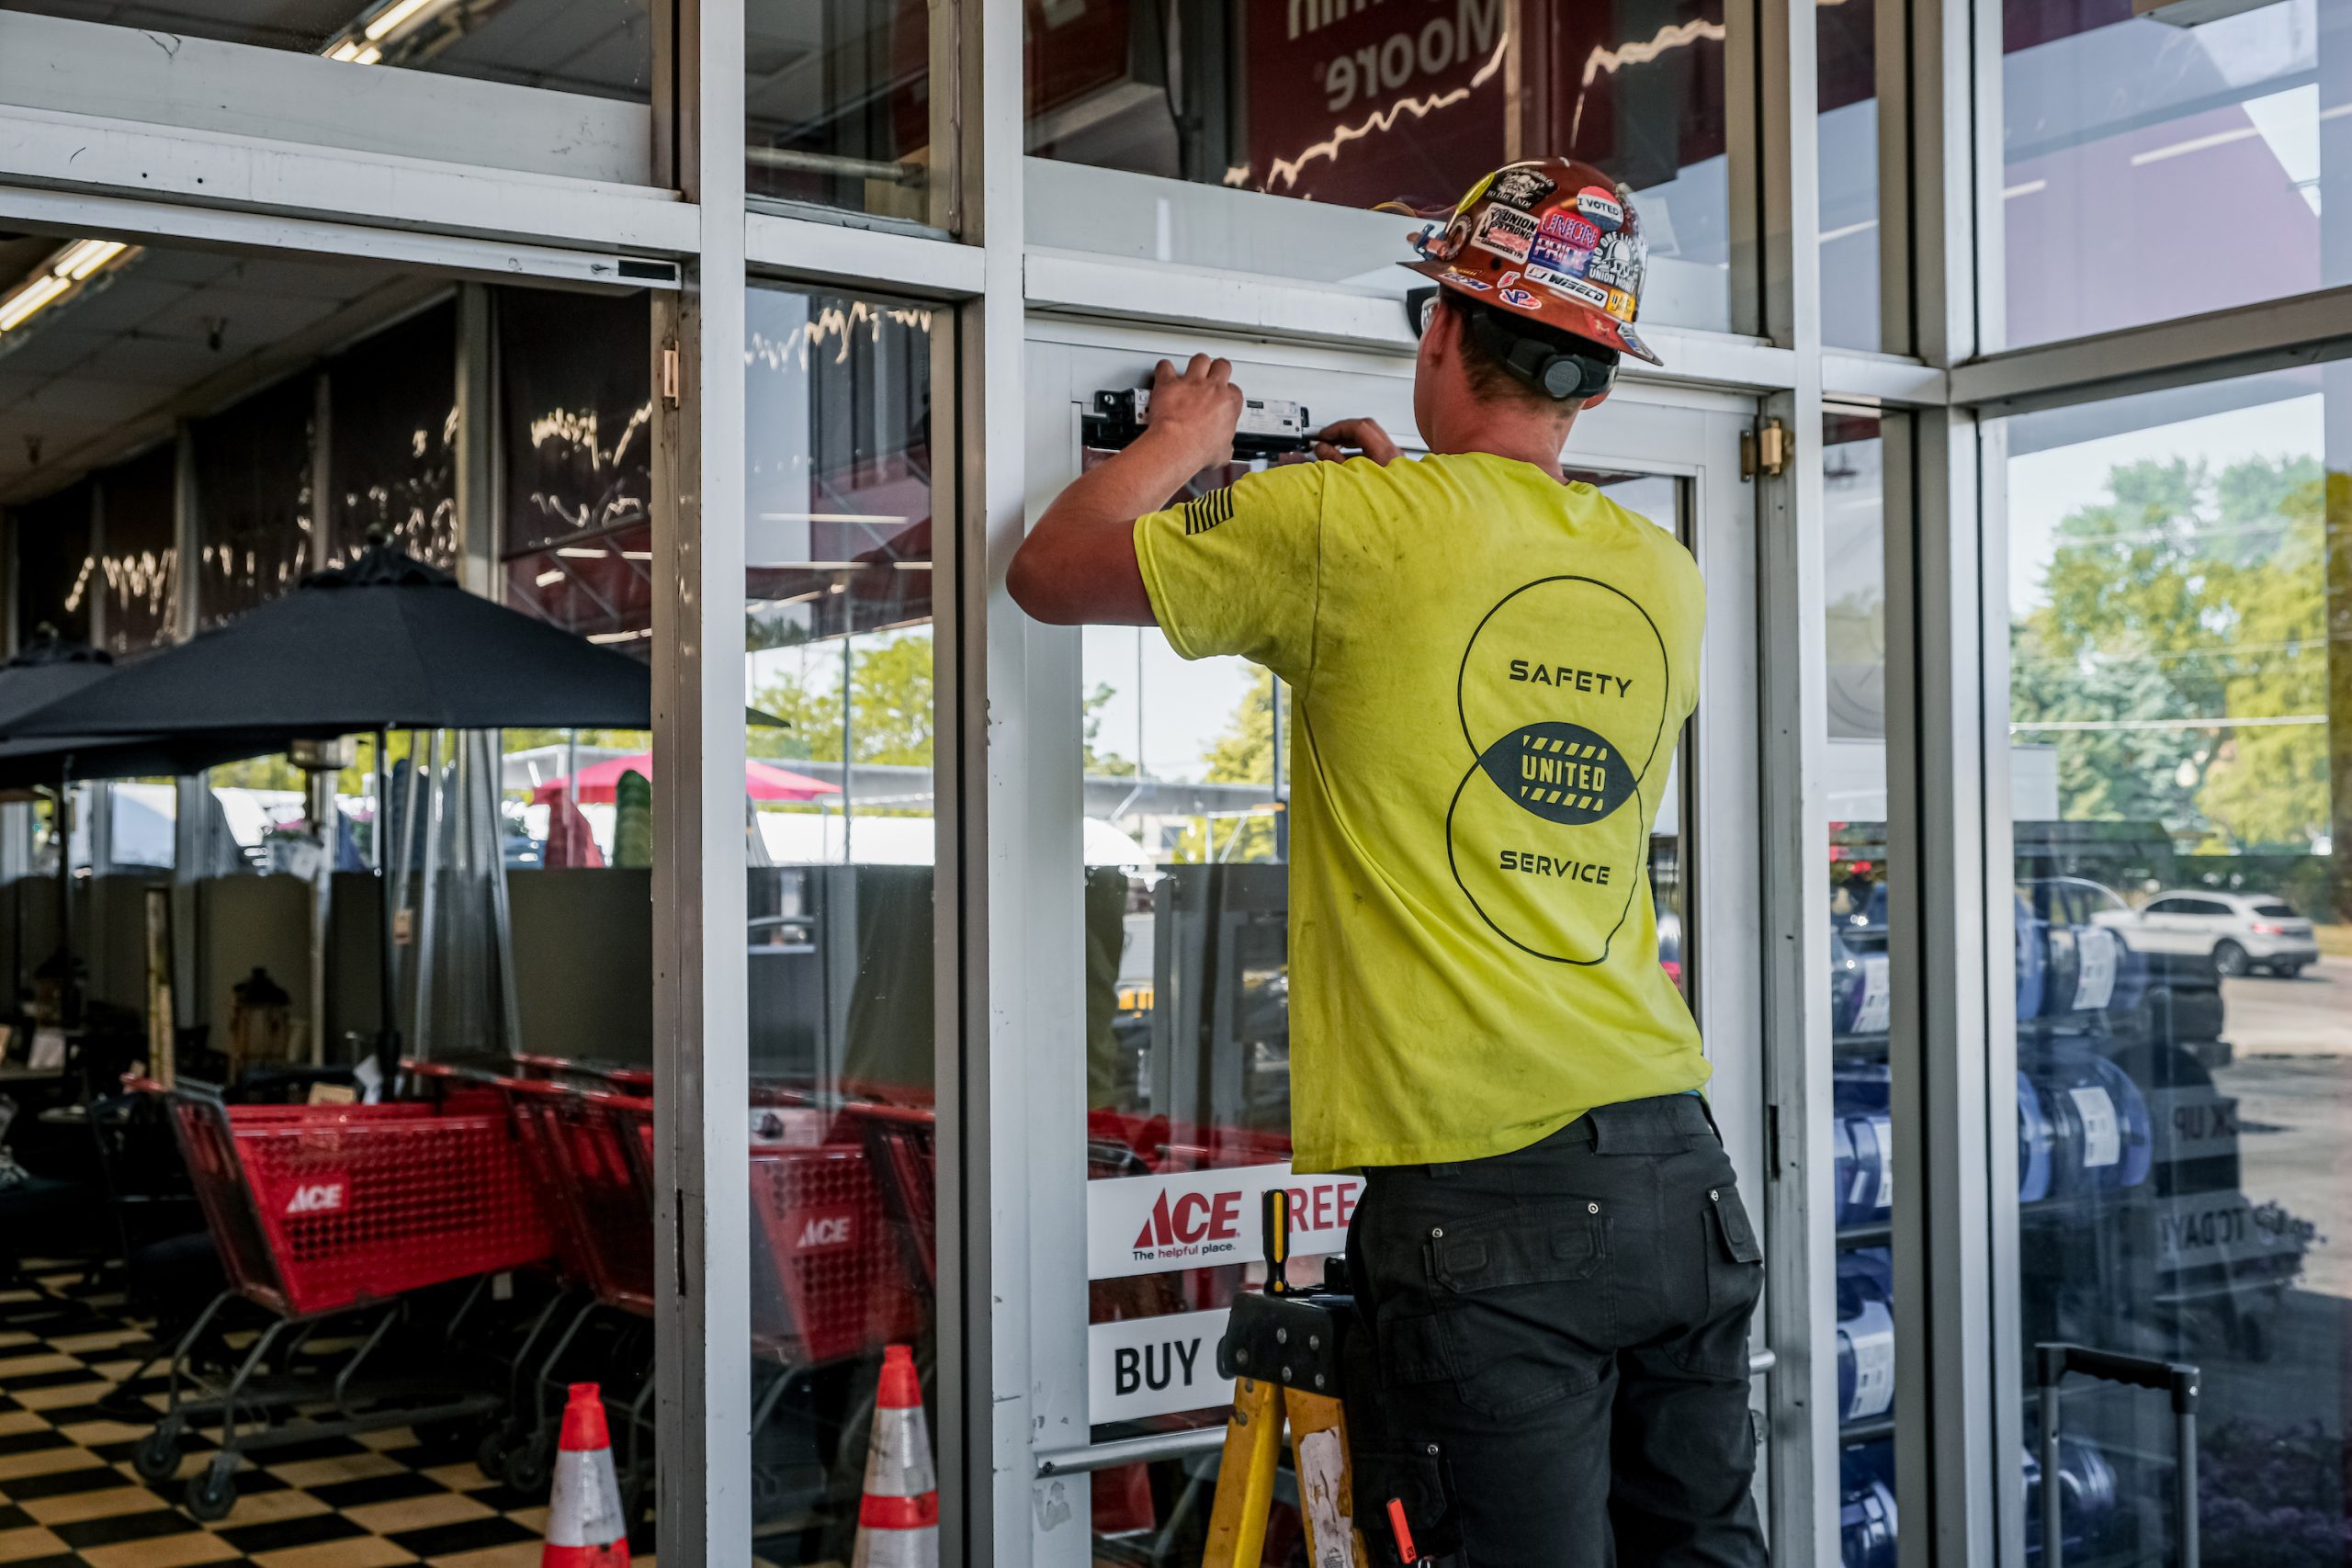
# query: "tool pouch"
[1415,1474]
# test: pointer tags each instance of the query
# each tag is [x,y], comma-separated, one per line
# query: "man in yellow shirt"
[1491,668]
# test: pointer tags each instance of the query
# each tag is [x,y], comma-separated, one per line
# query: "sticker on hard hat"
[1522,188]
[1601,206]
[1461,279]
[1625,335]
[1621,305]
[1506,232]
[1620,259]
[1559,257]
[1562,773]
[1519,298]
[1567,229]
[1575,288]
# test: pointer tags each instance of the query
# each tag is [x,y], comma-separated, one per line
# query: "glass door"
[1149,1170]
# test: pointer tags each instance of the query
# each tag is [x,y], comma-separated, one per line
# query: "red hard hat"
[1552,239]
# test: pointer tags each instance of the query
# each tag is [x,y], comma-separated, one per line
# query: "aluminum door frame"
[1672,431]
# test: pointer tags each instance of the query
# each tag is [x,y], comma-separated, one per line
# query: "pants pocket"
[1525,1312]
[1733,1266]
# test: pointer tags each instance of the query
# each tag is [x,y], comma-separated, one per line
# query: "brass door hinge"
[670,374]
[1764,450]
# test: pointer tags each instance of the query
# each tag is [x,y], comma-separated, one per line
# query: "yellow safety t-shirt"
[1491,670]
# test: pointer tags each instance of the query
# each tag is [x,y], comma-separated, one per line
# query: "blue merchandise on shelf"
[1858,994]
[1866,1527]
[2100,1133]
[2035,1145]
[1863,1136]
[1865,1334]
[2086,1499]
[2031,928]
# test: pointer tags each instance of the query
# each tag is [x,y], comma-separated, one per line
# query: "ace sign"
[1158,1224]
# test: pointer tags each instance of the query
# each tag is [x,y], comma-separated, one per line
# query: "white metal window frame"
[165,161]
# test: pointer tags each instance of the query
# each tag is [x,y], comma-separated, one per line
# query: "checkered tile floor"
[69,1497]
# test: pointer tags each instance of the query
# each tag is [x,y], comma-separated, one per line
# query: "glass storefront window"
[256,506]
[1847,37]
[391,441]
[576,428]
[603,48]
[839,808]
[1368,116]
[137,573]
[840,109]
[2178,713]
[54,565]
[2117,120]
[1186,788]
[1862,1338]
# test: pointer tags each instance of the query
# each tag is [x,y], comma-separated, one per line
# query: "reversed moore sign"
[1156,1225]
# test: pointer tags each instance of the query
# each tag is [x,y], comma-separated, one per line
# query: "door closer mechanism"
[1269,427]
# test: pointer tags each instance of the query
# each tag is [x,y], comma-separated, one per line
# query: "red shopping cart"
[333,1211]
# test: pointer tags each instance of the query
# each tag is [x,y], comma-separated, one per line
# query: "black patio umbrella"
[385,643]
[50,669]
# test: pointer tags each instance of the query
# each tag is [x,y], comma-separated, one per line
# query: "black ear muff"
[1556,373]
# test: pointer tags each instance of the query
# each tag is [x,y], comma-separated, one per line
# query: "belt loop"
[1708,1111]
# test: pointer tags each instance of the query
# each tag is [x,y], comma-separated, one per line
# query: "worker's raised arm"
[1078,566]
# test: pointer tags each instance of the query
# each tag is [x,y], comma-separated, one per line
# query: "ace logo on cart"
[820,1229]
[316,1197]
[1150,1224]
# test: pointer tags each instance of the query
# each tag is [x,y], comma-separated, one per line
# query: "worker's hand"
[1365,434]
[1193,411]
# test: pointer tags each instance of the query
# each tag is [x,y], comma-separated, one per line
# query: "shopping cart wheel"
[528,1464]
[212,1491]
[157,1457]
[490,1454]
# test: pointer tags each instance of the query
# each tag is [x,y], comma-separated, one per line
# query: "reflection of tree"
[890,707]
[1244,754]
[2187,594]
[1098,763]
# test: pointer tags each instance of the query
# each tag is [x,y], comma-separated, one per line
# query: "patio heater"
[321,760]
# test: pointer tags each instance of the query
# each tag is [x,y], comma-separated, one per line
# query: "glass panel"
[600,47]
[2117,119]
[137,569]
[393,440]
[1186,780]
[1847,36]
[1863,1339]
[54,565]
[2179,705]
[839,106]
[577,400]
[256,508]
[840,806]
[1368,114]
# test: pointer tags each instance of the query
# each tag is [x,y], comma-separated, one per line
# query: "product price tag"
[1878,999]
[2095,985]
[2102,1134]
[1872,1338]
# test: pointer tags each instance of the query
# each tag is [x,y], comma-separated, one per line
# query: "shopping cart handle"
[2054,1360]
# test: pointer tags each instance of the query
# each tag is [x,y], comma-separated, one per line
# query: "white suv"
[2240,932]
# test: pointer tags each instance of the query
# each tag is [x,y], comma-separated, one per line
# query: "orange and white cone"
[584,1525]
[898,1523]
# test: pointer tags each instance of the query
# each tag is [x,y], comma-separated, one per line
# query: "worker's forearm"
[1115,492]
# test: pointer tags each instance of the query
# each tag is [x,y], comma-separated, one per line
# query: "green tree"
[2186,595]
[1243,754]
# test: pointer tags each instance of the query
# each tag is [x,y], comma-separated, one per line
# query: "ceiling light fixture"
[66,270]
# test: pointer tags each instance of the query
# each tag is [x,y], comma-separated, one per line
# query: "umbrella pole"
[388,1032]
[62,826]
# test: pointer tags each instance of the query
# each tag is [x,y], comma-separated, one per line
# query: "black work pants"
[1561,1342]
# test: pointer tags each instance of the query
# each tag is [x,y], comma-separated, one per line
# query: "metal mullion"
[1801,1237]
[841,255]
[1947,774]
[1006,949]
[702,1322]
[299,186]
[1891,76]
[1978,487]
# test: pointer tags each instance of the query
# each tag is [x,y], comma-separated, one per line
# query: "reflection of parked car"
[2106,974]
[2240,932]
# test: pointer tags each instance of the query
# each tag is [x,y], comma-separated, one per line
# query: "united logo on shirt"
[1562,773]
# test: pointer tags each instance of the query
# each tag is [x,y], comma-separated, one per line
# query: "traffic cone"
[584,1525]
[898,1523]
